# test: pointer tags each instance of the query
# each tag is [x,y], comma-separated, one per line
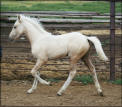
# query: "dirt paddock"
[13,93]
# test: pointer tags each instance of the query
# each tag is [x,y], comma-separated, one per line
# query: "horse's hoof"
[101,94]
[29,91]
[49,83]
[58,94]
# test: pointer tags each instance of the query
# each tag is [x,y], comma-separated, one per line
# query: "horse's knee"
[33,73]
[72,73]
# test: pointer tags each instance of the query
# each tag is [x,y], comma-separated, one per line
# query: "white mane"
[35,23]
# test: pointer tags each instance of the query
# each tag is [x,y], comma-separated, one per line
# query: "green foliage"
[53,80]
[118,82]
[85,79]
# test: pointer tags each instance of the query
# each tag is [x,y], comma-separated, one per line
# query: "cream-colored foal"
[45,46]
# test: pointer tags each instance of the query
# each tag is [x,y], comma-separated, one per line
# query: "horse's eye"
[15,27]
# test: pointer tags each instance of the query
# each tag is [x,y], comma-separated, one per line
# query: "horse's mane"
[35,23]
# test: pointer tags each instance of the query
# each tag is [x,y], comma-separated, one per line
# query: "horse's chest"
[36,51]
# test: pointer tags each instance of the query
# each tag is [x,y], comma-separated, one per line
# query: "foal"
[46,46]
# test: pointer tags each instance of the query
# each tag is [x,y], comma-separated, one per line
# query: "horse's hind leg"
[91,67]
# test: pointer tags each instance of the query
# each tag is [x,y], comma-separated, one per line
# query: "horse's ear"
[19,18]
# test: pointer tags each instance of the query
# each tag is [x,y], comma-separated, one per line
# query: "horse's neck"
[33,34]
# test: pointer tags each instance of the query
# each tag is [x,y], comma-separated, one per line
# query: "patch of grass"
[53,80]
[96,6]
[85,79]
[118,82]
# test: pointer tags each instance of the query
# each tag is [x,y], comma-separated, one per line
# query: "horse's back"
[78,43]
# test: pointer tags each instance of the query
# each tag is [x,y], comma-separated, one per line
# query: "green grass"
[118,82]
[53,80]
[100,7]
[85,79]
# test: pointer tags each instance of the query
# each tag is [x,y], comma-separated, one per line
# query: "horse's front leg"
[37,76]
[68,81]
[34,86]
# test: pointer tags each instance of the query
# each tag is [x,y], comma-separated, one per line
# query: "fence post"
[112,40]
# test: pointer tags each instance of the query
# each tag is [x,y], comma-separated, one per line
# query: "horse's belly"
[57,56]
[57,52]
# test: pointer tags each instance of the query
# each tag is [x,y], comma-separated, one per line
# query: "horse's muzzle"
[10,39]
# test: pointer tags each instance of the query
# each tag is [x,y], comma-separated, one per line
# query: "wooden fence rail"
[62,16]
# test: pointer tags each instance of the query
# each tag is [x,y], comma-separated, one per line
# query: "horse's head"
[18,29]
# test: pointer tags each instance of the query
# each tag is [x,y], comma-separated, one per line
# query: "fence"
[63,20]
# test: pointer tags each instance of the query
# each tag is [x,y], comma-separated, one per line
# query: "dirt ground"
[13,93]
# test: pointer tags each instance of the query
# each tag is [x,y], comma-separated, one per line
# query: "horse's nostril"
[10,39]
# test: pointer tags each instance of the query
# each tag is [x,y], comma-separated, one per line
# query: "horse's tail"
[98,48]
